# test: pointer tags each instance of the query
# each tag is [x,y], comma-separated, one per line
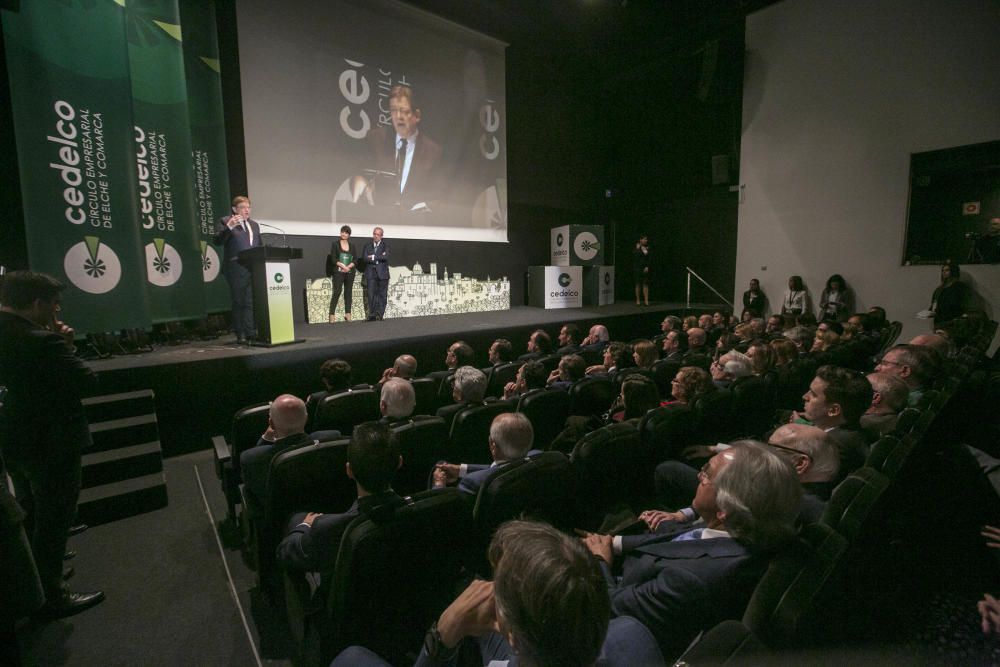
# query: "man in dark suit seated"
[597,339]
[530,376]
[617,358]
[459,354]
[569,337]
[685,578]
[675,345]
[835,401]
[405,367]
[548,601]
[511,436]
[313,539]
[469,389]
[572,368]
[890,396]
[335,374]
[539,345]
[286,424]
[396,401]
[501,352]
[698,353]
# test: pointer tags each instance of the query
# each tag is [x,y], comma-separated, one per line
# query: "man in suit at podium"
[236,233]
[376,258]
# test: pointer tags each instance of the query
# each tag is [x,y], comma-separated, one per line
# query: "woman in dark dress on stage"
[641,269]
[344,255]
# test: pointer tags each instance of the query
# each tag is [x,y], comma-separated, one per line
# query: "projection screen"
[322,148]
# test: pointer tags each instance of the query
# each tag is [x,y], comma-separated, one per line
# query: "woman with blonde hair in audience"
[645,354]
[761,357]
[689,322]
[784,352]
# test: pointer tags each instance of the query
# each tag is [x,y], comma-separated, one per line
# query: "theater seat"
[753,406]
[786,608]
[248,425]
[714,411]
[607,462]
[547,411]
[425,390]
[470,432]
[591,396]
[345,410]
[500,376]
[423,441]
[728,643]
[666,431]
[396,572]
[851,509]
[664,371]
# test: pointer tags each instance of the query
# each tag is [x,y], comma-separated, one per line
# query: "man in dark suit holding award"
[376,258]
[236,233]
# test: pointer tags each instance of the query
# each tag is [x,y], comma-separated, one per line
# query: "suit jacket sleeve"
[222,232]
[315,549]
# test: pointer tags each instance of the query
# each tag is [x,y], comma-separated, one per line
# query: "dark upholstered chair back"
[666,431]
[547,411]
[423,441]
[540,487]
[591,396]
[249,424]
[470,432]
[347,409]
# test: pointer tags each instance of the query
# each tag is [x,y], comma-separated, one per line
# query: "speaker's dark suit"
[376,261]
[421,182]
[235,241]
[43,430]
[678,589]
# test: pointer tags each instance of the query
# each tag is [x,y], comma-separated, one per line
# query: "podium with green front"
[270,267]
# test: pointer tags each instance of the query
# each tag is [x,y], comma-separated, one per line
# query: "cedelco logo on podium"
[577,245]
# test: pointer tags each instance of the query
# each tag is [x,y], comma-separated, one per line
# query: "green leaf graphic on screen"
[209,263]
[163,263]
[153,32]
[92,266]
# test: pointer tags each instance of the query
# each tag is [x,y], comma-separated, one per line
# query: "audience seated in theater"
[644,354]
[469,388]
[597,339]
[511,436]
[784,353]
[501,352]
[313,538]
[530,376]
[912,364]
[761,357]
[866,335]
[397,401]
[335,375]
[689,322]
[889,396]
[775,327]
[571,369]
[806,319]
[617,357]
[675,345]
[686,578]
[698,354]
[569,337]
[286,424]
[730,367]
[671,323]
[638,396]
[809,449]
[835,401]
[936,342]
[690,384]
[539,345]
[547,605]
[459,354]
[802,337]
[879,321]
[405,368]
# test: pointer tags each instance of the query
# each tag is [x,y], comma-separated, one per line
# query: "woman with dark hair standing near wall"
[343,255]
[949,299]
[835,303]
[641,269]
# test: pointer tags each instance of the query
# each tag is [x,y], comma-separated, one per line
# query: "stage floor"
[199,385]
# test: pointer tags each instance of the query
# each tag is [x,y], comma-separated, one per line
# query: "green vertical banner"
[162,136]
[69,79]
[208,140]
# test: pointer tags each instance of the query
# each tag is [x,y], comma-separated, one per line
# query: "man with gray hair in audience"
[890,396]
[687,577]
[469,389]
[912,364]
[397,401]
[803,338]
[730,367]
[511,436]
[405,367]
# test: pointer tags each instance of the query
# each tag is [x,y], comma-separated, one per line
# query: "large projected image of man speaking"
[405,159]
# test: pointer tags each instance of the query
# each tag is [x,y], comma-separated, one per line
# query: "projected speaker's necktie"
[400,163]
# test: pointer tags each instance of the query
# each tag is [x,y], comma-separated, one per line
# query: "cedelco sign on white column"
[563,286]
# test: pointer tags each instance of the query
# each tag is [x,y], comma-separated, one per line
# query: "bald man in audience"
[511,436]
[698,353]
[596,340]
[405,368]
[286,424]
[890,396]
[910,363]
[396,401]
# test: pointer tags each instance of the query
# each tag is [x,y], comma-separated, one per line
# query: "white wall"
[837,95]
